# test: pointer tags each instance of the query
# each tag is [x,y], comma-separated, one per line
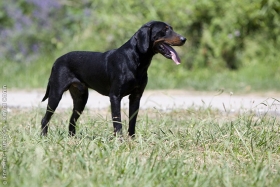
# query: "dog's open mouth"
[167,51]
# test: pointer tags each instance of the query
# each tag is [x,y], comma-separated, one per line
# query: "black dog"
[115,73]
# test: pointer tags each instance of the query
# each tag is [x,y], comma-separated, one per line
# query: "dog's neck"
[141,60]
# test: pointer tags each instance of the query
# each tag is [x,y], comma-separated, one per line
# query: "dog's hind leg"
[54,98]
[79,93]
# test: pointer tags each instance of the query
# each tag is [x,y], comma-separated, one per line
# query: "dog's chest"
[130,83]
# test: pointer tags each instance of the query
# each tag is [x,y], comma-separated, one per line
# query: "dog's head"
[159,37]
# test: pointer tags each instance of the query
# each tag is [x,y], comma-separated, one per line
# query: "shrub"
[218,32]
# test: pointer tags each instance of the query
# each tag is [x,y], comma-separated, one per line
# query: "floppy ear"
[143,39]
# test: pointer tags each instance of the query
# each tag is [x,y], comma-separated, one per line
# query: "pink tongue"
[174,55]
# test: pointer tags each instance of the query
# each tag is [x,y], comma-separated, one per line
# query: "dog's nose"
[183,39]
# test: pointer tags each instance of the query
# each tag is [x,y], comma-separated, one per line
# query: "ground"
[165,100]
[215,140]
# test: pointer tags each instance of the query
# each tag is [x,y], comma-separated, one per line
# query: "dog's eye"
[164,31]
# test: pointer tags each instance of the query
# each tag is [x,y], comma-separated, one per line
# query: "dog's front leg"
[116,113]
[134,103]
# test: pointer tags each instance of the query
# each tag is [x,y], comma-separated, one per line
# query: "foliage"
[234,34]
[217,30]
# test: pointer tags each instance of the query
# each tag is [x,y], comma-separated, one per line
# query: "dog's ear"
[143,39]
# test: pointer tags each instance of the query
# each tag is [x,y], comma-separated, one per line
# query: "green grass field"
[163,74]
[191,147]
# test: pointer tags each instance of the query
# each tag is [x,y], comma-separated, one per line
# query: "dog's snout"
[183,39]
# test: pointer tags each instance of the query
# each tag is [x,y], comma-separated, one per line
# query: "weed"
[190,147]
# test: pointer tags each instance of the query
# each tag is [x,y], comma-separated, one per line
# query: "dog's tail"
[47,93]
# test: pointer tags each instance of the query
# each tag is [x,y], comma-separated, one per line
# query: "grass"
[201,147]
[163,74]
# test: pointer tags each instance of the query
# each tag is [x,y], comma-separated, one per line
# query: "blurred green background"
[231,45]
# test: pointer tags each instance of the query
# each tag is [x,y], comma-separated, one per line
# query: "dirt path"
[163,99]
